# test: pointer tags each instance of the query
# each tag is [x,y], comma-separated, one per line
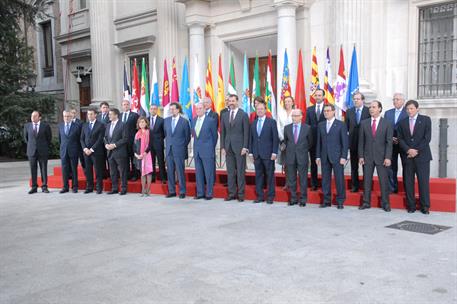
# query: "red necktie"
[373,128]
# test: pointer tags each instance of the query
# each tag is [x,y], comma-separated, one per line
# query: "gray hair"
[401,95]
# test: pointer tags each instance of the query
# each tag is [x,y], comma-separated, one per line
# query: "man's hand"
[244,151]
[361,161]
[342,161]
[395,140]
[222,151]
[387,162]
[273,156]
[318,162]
[412,153]
[87,151]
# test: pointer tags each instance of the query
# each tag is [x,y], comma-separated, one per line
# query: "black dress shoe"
[208,198]
[387,209]
[269,202]
[364,206]
[411,210]
[241,200]
[134,178]
[229,198]
[112,192]
[314,188]
[74,190]
[291,203]
[170,195]
[354,189]
[325,205]
[99,191]
[33,190]
[198,197]
[340,207]
[45,190]
[164,182]
[257,201]
[123,192]
[302,204]
[182,195]
[425,211]
[88,191]
[63,191]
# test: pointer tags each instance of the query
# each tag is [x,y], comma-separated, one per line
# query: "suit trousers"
[70,166]
[338,171]
[159,155]
[118,166]
[354,168]
[368,170]
[131,166]
[312,157]
[291,175]
[177,164]
[34,161]
[264,170]
[96,162]
[236,168]
[204,172]
[422,171]
[393,170]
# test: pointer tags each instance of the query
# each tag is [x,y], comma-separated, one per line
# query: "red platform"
[442,190]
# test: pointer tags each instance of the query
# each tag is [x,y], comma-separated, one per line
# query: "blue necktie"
[67,129]
[173,125]
[91,126]
[259,126]
[358,116]
[397,114]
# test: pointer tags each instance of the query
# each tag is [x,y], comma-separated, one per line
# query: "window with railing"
[437,65]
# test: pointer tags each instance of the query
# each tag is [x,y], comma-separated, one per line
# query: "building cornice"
[136,19]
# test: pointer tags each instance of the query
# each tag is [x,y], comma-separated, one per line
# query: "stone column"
[287,39]
[101,42]
[197,54]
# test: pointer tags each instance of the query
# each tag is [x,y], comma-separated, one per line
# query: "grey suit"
[235,137]
[374,150]
[297,159]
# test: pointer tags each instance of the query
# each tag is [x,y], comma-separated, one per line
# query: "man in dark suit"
[394,116]
[177,138]
[297,140]
[78,121]
[156,143]
[116,140]
[204,131]
[263,146]
[331,153]
[129,119]
[70,145]
[314,115]
[375,150]
[92,135]
[234,143]
[354,116]
[38,136]
[208,110]
[414,135]
[103,115]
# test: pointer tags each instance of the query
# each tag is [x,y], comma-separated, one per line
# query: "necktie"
[295,133]
[411,125]
[358,116]
[125,117]
[67,128]
[232,116]
[318,111]
[198,126]
[173,125]
[152,123]
[103,116]
[35,129]
[91,126]
[259,126]
[329,125]
[397,114]
[111,129]
[373,128]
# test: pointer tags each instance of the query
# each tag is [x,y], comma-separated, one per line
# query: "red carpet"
[442,190]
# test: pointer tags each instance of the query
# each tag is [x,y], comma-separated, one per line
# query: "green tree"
[16,69]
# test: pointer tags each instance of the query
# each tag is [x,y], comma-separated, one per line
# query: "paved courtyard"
[77,248]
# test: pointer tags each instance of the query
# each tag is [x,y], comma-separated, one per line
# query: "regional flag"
[209,91]
[220,101]
[314,77]
[165,91]
[144,96]
[135,104]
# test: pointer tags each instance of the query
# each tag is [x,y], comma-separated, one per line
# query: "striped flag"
[220,103]
[165,91]
[300,95]
[135,104]
[174,84]
[285,87]
[314,77]
[231,81]
[144,97]
[155,85]
[269,94]
[329,96]
[255,82]
[209,91]
[341,88]
[245,104]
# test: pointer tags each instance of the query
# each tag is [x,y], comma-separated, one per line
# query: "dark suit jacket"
[353,127]
[297,151]
[205,143]
[38,145]
[237,134]
[312,120]
[119,138]
[334,145]
[179,139]
[158,134]
[420,139]
[214,116]
[93,139]
[70,144]
[375,149]
[130,124]
[106,120]
[390,116]
[267,143]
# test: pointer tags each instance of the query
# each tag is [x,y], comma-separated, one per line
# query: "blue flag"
[245,96]
[155,86]
[353,84]
[184,94]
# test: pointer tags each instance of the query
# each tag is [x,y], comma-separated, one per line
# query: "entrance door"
[263,64]
[84,96]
